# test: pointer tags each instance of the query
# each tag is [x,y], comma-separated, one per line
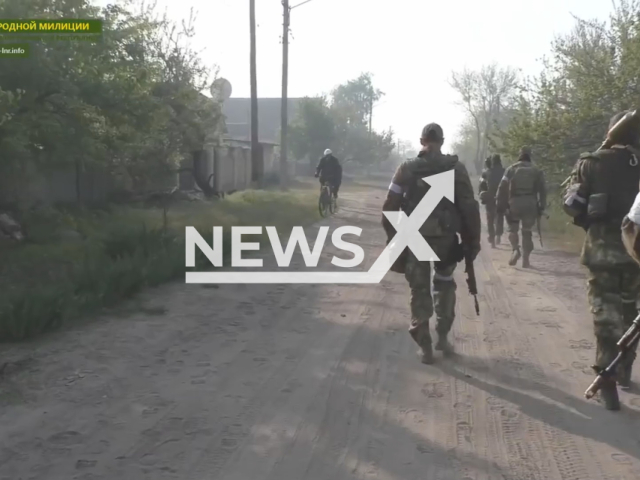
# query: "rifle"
[538,224]
[471,281]
[626,344]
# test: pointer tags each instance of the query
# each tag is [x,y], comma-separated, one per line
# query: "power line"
[300,4]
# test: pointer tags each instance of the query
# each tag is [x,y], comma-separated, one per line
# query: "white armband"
[396,188]
[634,213]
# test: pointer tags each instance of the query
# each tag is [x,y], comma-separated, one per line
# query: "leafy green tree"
[313,129]
[342,123]
[129,102]
[353,101]
[591,73]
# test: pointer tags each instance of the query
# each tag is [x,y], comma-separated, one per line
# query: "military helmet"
[616,118]
[496,160]
[624,128]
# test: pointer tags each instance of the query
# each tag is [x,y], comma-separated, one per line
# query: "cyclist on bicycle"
[330,172]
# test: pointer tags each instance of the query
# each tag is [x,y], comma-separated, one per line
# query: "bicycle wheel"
[323,203]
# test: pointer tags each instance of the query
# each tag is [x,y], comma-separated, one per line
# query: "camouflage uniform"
[521,196]
[441,232]
[491,177]
[602,190]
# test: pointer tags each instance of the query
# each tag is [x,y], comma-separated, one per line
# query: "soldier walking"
[521,197]
[491,177]
[600,194]
[441,232]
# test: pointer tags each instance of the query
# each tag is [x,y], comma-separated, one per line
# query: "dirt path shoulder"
[323,383]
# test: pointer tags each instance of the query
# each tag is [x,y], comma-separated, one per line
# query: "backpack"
[445,220]
[523,180]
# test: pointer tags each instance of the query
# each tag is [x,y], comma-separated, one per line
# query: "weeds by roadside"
[77,262]
[560,231]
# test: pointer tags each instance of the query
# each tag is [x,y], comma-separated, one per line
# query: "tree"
[312,130]
[342,123]
[353,101]
[592,73]
[485,94]
[130,102]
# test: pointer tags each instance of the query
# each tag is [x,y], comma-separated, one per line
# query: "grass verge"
[77,262]
[559,230]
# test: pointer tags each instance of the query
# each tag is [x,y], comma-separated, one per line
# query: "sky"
[410,46]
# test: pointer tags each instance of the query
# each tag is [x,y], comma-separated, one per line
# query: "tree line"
[590,74]
[342,121]
[130,102]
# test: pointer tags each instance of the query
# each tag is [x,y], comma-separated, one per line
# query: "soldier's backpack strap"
[589,155]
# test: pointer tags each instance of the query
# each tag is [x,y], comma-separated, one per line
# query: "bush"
[49,283]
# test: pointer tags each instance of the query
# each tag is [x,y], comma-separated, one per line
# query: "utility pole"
[284,120]
[255,145]
[284,114]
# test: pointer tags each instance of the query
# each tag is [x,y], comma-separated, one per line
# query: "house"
[237,112]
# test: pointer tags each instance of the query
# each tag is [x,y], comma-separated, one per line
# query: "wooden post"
[284,121]
[255,152]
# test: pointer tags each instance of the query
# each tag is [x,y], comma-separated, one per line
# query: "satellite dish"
[220,89]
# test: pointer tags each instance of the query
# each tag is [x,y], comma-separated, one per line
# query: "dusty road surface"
[322,383]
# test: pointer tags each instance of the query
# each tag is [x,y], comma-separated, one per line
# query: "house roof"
[247,141]
[238,117]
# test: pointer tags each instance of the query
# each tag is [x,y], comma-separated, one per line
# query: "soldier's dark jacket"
[490,180]
[600,194]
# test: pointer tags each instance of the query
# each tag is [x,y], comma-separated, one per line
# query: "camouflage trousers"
[423,304]
[613,294]
[526,223]
[495,221]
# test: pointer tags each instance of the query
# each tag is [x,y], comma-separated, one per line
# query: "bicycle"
[327,200]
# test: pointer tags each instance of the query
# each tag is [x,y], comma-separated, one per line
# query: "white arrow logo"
[408,235]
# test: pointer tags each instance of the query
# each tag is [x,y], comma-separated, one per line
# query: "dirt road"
[323,383]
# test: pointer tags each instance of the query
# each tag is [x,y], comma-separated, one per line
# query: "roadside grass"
[77,261]
[563,235]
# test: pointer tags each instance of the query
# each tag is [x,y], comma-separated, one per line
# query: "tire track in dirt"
[306,380]
[323,382]
[555,331]
[568,455]
[518,436]
[570,353]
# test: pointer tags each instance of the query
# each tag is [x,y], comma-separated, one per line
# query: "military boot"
[426,351]
[443,345]
[492,241]
[623,376]
[609,396]
[525,261]
[515,256]
[498,240]
[426,354]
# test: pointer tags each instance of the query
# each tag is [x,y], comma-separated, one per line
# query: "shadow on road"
[592,420]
